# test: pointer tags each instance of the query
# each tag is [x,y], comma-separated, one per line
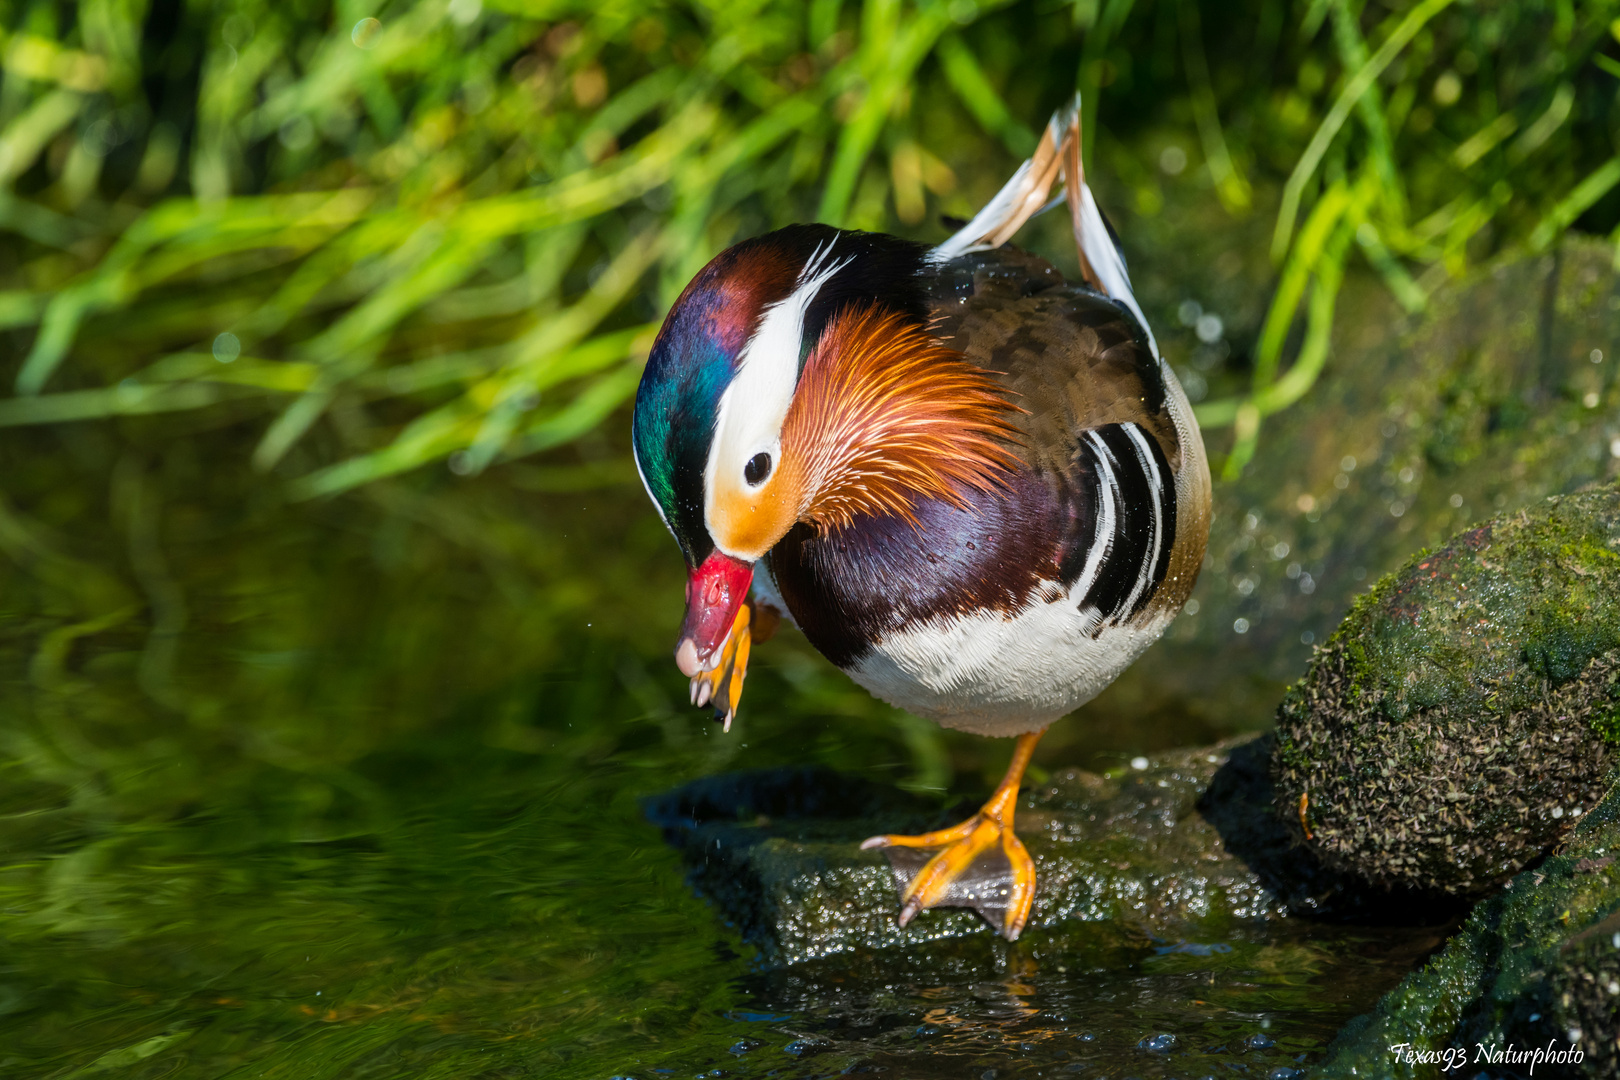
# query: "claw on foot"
[722,685]
[980,864]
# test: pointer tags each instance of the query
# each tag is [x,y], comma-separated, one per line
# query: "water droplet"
[806,1047]
[365,32]
[227,347]
[1139,763]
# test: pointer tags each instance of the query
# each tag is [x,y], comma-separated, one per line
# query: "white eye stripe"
[755,406]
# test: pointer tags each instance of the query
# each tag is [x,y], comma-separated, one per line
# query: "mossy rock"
[1466,712]
[1584,987]
[778,853]
[1534,966]
[1189,837]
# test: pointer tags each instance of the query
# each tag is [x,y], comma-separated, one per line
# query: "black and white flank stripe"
[1132,501]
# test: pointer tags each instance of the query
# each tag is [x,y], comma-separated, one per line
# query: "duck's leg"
[982,864]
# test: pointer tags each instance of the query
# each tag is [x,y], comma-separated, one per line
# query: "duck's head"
[795,380]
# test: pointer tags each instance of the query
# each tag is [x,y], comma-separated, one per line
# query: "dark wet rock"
[1240,805]
[1191,836]
[1584,987]
[1532,965]
[1463,717]
[794,881]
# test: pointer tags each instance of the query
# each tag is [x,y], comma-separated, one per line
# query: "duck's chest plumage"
[1006,611]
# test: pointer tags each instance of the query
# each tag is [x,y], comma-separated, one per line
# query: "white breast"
[993,675]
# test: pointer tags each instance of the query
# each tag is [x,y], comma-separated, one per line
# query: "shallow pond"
[351,789]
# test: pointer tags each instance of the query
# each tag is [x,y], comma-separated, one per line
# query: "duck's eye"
[757,469]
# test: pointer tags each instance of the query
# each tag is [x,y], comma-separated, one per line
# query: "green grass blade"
[1357,85]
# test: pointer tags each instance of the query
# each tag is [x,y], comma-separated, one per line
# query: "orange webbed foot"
[981,863]
[722,685]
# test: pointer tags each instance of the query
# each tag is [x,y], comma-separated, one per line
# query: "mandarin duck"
[975,487]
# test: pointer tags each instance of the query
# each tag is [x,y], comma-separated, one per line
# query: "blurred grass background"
[385,236]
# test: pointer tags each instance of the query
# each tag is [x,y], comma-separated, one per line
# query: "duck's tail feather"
[1102,263]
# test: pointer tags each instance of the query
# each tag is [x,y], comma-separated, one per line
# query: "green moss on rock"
[1585,992]
[1534,963]
[1466,711]
[1190,837]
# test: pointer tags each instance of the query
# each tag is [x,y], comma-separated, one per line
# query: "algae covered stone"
[1190,836]
[1534,967]
[778,851]
[1584,986]
[1464,715]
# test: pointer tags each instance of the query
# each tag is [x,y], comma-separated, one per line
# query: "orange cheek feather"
[883,415]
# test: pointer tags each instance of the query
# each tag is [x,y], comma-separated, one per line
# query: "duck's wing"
[1102,263]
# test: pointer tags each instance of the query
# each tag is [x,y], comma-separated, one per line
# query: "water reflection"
[1097,1000]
